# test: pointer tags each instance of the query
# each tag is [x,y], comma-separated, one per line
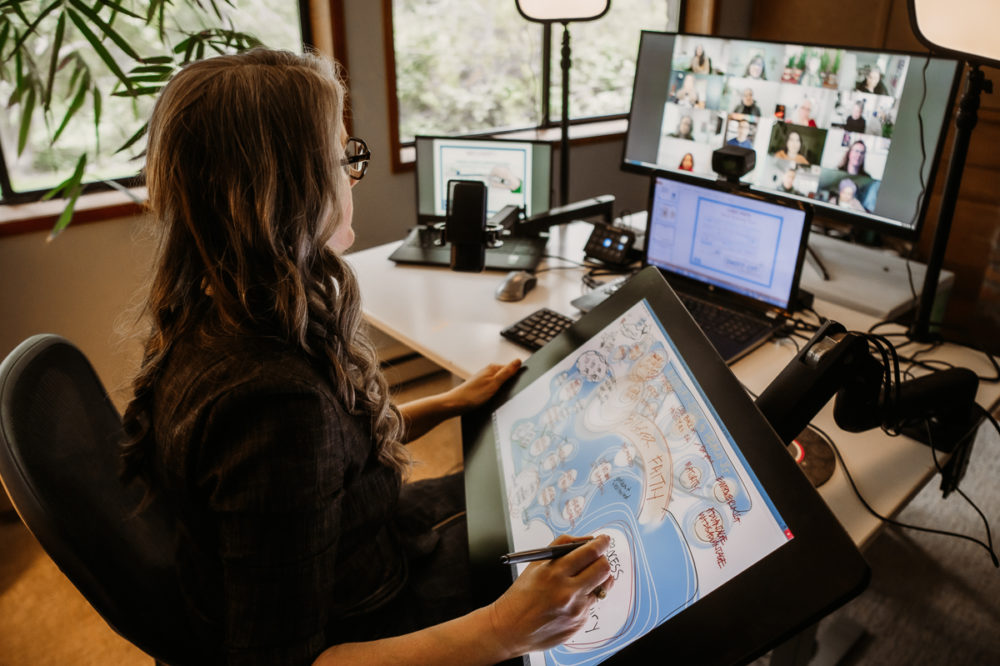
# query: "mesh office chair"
[59,435]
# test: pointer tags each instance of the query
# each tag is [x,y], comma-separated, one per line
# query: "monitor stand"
[866,279]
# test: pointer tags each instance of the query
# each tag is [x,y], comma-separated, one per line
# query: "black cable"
[969,439]
[893,521]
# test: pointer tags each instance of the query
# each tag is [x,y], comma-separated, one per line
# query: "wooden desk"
[453,319]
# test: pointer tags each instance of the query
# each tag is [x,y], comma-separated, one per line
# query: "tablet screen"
[619,438]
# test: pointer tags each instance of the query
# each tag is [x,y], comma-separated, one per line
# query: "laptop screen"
[744,244]
[516,173]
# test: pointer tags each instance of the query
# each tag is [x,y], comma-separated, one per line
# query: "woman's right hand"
[550,601]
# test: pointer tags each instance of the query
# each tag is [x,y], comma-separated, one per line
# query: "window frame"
[544,130]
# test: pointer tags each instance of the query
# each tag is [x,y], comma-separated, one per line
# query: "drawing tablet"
[630,424]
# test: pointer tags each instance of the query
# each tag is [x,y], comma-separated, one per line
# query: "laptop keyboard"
[723,321]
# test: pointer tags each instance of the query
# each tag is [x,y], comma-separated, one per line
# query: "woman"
[847,195]
[791,151]
[688,93]
[755,68]
[687,162]
[261,420]
[853,161]
[700,63]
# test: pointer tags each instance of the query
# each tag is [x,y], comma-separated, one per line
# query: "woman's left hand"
[479,388]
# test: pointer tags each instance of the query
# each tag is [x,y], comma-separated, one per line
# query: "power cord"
[986,546]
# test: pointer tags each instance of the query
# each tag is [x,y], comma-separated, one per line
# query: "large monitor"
[517,173]
[856,132]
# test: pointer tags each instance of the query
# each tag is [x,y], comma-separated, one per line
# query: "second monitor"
[515,172]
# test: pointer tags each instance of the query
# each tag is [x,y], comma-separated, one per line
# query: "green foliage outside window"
[80,77]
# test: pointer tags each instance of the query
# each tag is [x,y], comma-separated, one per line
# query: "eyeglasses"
[356,158]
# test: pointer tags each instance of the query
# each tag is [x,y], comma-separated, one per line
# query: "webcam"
[733,162]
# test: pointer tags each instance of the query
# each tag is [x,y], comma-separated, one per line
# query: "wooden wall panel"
[886,24]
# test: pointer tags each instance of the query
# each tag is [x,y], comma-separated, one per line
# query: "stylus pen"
[547,553]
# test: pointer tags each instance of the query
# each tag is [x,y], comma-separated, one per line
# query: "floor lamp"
[963,29]
[563,11]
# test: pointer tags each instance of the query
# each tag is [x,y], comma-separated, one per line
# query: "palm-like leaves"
[79,52]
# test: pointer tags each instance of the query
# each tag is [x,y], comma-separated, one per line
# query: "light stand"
[963,29]
[564,63]
[965,121]
[563,11]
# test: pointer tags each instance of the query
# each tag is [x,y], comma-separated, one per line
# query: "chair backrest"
[59,447]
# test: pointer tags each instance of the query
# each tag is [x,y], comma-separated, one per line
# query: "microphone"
[465,225]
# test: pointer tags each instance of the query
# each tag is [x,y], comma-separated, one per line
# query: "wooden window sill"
[593,132]
[42,215]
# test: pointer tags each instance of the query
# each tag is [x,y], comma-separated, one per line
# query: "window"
[474,67]
[81,85]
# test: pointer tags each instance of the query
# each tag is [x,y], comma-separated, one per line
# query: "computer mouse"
[516,286]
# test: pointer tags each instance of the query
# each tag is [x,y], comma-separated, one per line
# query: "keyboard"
[533,331]
[723,321]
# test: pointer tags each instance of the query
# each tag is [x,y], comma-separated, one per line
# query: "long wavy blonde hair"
[245,179]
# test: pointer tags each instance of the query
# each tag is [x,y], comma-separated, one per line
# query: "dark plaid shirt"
[284,512]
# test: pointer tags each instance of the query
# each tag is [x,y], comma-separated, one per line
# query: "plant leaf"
[4,34]
[67,214]
[158,60]
[106,28]
[124,190]
[97,117]
[34,24]
[27,110]
[108,59]
[74,106]
[138,92]
[76,176]
[120,8]
[54,59]
[134,138]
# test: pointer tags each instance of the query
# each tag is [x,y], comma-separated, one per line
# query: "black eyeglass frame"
[362,158]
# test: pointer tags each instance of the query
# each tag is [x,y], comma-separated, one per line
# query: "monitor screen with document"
[747,245]
[516,173]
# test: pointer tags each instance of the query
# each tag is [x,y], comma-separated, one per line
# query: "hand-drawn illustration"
[619,439]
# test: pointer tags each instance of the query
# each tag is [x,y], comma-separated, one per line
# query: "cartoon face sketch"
[566,479]
[592,366]
[570,390]
[601,473]
[523,490]
[565,451]
[650,365]
[547,495]
[573,508]
[635,328]
[625,457]
[523,432]
[539,445]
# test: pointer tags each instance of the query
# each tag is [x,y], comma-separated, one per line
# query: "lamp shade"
[964,29]
[558,11]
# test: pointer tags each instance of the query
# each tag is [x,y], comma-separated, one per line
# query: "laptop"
[516,173]
[733,259]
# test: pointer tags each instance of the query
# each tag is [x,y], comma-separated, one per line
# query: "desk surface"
[453,319]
